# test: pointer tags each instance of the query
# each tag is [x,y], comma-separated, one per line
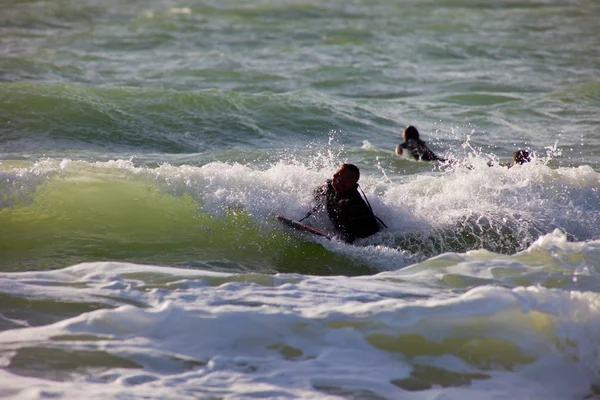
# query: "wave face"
[50,117]
[146,148]
[67,212]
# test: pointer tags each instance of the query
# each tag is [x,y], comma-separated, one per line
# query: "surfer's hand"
[346,238]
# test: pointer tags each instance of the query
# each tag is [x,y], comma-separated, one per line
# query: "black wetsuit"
[419,150]
[348,212]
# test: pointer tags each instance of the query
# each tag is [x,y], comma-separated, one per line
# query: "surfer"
[415,147]
[520,157]
[352,216]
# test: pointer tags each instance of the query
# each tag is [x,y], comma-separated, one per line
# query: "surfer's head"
[410,132]
[521,157]
[345,178]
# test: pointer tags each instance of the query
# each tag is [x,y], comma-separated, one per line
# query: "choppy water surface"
[146,147]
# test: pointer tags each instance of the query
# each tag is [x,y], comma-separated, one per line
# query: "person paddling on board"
[414,147]
[351,216]
[520,157]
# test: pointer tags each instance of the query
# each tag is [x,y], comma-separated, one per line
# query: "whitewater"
[146,149]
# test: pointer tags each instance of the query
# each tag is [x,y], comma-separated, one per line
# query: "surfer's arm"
[318,200]
[347,238]
[436,157]
[308,214]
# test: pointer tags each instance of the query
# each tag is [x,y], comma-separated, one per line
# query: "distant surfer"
[351,216]
[520,157]
[414,147]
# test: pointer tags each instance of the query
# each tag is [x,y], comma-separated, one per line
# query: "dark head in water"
[410,132]
[521,157]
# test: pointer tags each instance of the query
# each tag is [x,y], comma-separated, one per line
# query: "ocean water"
[147,146]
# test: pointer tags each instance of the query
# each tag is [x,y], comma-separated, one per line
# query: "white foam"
[203,333]
[424,200]
[443,206]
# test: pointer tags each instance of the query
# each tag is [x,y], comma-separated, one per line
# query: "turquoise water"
[146,147]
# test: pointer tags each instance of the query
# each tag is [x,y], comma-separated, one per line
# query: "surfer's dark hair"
[410,132]
[521,157]
[352,168]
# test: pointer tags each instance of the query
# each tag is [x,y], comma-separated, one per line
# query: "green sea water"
[158,76]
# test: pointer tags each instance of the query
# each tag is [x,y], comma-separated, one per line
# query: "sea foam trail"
[457,209]
[300,336]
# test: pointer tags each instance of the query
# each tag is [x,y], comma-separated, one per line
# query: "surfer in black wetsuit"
[415,147]
[520,157]
[349,213]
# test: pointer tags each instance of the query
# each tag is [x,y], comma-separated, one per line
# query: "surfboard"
[302,227]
